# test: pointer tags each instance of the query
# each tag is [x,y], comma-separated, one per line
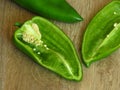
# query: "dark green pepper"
[55,9]
[47,45]
[102,35]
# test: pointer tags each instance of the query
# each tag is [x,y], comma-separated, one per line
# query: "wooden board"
[19,72]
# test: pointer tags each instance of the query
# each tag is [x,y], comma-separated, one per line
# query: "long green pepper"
[54,9]
[47,45]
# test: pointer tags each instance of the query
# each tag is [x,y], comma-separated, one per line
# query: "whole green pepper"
[49,47]
[102,35]
[55,9]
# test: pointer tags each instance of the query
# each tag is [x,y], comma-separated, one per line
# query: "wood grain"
[19,72]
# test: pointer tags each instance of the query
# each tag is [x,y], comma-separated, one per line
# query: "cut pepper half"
[102,36]
[48,46]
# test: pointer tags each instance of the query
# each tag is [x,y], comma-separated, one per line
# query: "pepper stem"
[18,24]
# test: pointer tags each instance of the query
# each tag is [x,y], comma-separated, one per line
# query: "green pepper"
[102,36]
[48,46]
[54,9]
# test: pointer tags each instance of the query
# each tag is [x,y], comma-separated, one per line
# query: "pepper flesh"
[49,47]
[102,36]
[54,9]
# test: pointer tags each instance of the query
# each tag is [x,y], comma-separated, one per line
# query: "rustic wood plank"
[1,61]
[19,72]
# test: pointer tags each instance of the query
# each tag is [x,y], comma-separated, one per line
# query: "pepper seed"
[115,13]
[34,49]
[38,53]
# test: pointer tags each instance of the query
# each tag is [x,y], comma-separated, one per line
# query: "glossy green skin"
[61,56]
[101,37]
[54,9]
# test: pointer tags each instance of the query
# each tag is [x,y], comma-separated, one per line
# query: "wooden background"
[19,72]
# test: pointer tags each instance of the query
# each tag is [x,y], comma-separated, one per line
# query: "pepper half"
[48,46]
[54,9]
[102,36]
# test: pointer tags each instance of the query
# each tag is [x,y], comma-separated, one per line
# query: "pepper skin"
[48,46]
[102,36]
[54,9]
